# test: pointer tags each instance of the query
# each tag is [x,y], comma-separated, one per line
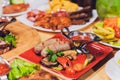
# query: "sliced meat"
[84,10]
[76,22]
[79,16]
[4,47]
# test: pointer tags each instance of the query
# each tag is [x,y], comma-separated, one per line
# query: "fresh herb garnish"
[53,56]
[10,39]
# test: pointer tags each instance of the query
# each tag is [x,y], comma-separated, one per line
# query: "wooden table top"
[32,37]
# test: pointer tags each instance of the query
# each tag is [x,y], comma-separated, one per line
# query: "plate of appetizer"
[22,69]
[53,19]
[108,30]
[7,38]
[15,8]
[59,55]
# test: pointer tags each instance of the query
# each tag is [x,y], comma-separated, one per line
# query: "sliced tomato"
[117,32]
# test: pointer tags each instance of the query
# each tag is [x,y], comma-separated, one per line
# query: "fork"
[4,24]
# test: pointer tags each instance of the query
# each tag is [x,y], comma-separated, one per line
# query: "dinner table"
[31,37]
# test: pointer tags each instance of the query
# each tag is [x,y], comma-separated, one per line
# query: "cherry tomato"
[70,70]
[117,32]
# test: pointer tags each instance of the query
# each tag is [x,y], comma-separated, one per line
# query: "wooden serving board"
[26,38]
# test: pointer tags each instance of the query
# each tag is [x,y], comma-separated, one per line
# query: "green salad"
[21,68]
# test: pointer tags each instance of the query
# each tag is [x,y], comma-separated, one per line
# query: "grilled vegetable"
[48,63]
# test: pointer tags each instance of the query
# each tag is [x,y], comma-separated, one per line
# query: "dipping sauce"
[83,38]
[3,69]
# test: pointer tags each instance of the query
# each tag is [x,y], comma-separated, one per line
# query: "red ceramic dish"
[98,50]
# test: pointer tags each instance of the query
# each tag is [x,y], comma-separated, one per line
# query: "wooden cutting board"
[26,38]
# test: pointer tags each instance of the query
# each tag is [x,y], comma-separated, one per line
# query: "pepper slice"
[65,62]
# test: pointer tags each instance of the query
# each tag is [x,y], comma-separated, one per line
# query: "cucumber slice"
[16,1]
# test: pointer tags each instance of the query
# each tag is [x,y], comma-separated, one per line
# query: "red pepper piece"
[65,62]
[80,59]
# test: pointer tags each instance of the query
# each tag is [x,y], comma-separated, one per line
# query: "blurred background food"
[107,8]
[14,6]
[109,30]
[58,5]
[84,3]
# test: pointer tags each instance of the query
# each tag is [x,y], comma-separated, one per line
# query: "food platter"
[16,14]
[24,65]
[113,66]
[31,56]
[32,3]
[112,69]
[110,45]
[25,41]
[110,39]
[23,19]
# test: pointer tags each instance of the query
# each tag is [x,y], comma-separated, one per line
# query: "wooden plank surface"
[28,38]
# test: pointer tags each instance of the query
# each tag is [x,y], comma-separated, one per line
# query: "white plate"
[110,45]
[117,58]
[16,14]
[33,4]
[112,70]
[24,20]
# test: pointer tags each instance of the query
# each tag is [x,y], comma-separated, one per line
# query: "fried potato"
[56,5]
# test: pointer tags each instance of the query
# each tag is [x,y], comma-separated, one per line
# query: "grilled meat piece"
[84,3]
[76,22]
[81,16]
[56,47]
[84,10]
[4,47]
[38,48]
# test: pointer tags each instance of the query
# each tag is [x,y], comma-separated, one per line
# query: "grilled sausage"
[56,47]
[42,45]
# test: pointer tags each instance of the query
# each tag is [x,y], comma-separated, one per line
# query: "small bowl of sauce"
[80,39]
[4,68]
